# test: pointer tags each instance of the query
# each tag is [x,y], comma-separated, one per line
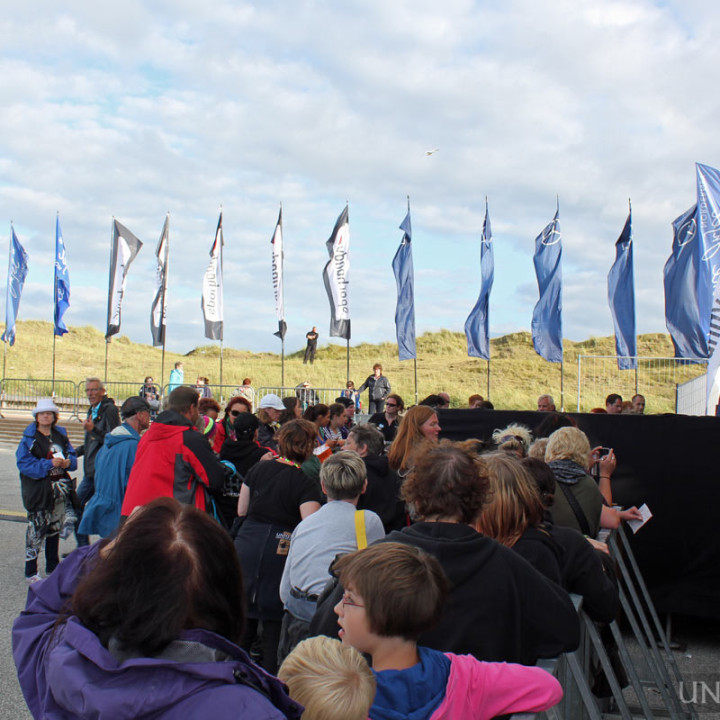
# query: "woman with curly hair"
[515,439]
[418,431]
[499,607]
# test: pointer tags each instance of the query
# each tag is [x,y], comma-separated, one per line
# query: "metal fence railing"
[655,377]
[306,395]
[23,393]
[653,681]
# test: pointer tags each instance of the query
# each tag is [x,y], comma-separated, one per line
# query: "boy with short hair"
[395,592]
[330,679]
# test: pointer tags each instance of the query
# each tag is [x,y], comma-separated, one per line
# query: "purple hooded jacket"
[65,672]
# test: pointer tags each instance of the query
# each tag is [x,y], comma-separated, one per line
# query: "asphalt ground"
[697,653]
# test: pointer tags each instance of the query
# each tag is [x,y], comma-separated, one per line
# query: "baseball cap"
[132,406]
[272,401]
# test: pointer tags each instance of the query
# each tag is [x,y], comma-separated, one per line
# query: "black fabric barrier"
[670,462]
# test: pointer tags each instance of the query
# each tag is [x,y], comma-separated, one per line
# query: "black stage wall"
[670,462]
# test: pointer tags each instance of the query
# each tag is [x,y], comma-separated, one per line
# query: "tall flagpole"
[5,344]
[416,382]
[223,318]
[347,346]
[162,304]
[562,346]
[282,294]
[107,339]
[52,386]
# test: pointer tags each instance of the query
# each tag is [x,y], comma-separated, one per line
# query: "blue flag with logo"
[621,296]
[477,330]
[547,315]
[708,229]
[17,272]
[62,281]
[402,266]
[688,286]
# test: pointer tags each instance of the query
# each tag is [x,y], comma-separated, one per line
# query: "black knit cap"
[246,423]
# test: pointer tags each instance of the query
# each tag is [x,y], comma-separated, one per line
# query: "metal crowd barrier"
[308,396]
[23,393]
[657,671]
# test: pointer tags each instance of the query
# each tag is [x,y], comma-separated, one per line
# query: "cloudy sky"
[133,110]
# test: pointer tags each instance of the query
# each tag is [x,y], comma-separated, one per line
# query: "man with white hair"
[545,403]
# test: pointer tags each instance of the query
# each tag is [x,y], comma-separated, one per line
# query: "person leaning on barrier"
[584,570]
[145,625]
[500,607]
[579,504]
[514,516]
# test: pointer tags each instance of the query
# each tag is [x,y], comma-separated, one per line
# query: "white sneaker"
[33,579]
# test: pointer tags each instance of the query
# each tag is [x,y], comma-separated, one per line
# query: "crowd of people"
[376,569]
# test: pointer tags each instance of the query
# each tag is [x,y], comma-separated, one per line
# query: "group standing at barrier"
[239,547]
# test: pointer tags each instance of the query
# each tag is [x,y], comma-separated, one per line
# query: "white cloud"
[153,107]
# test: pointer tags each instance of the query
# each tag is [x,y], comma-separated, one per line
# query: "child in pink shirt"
[394,593]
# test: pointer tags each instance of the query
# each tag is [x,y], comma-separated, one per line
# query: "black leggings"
[268,643]
[52,557]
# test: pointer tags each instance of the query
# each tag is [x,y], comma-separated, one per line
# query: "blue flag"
[621,296]
[17,272]
[686,280]
[708,229]
[62,281]
[547,315]
[477,329]
[402,266]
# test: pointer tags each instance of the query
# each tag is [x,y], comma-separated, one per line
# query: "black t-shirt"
[389,431]
[311,338]
[276,492]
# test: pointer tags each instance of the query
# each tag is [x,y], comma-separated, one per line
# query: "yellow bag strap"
[360,534]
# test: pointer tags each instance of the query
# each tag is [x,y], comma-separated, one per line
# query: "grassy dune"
[518,375]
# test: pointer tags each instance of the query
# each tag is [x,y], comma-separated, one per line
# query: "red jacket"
[173,460]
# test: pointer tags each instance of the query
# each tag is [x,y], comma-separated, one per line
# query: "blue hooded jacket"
[112,469]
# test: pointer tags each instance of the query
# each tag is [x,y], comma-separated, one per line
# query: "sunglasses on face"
[235,413]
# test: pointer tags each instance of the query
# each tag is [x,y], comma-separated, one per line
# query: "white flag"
[158,313]
[336,277]
[125,246]
[212,291]
[277,276]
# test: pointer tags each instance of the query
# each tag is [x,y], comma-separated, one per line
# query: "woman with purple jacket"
[145,626]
